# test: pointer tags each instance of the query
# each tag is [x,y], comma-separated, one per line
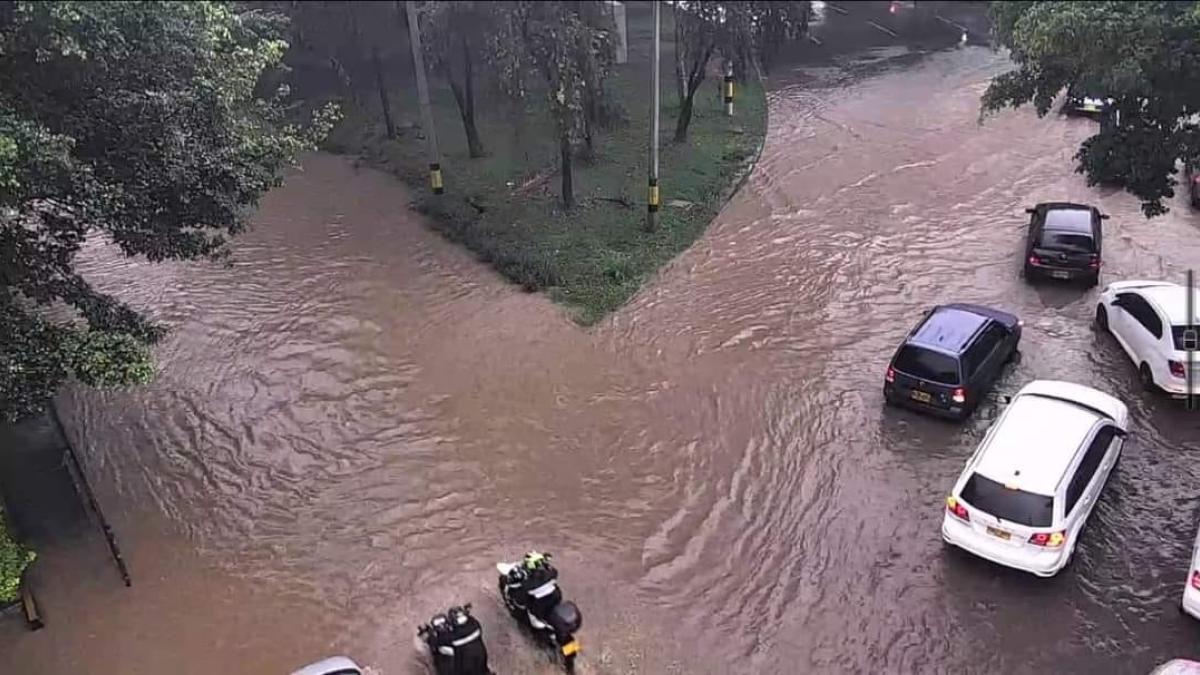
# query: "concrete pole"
[652,203]
[729,88]
[435,158]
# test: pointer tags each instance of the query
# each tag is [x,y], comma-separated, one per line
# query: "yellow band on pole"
[654,195]
[435,179]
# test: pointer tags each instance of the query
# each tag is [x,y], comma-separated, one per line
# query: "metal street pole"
[652,203]
[435,158]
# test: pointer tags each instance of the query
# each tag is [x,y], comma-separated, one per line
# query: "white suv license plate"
[1000,534]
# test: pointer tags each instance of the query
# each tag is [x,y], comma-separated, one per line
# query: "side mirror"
[1120,433]
[1118,302]
[1030,210]
[1104,216]
[1006,398]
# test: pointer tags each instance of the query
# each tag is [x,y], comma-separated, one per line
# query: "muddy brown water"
[355,420]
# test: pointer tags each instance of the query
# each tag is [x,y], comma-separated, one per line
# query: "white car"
[334,665]
[1149,320]
[1191,589]
[1030,486]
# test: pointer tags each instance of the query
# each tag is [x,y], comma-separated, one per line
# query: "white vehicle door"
[1089,478]
[1141,328]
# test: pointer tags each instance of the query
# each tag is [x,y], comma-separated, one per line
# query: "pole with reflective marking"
[652,197]
[435,159]
[729,89]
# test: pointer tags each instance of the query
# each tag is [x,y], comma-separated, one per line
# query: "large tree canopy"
[143,121]
[1144,55]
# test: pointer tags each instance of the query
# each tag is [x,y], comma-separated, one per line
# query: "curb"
[748,166]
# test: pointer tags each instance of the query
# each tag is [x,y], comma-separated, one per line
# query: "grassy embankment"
[14,558]
[505,207]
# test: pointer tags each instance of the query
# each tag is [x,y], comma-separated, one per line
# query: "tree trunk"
[680,70]
[685,117]
[474,145]
[383,95]
[568,189]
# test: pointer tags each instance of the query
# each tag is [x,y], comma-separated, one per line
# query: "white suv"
[1191,589]
[1030,486]
[1149,320]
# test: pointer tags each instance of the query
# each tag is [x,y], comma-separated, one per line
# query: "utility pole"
[435,158]
[652,203]
[729,88]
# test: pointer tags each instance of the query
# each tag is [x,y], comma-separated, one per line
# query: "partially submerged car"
[1064,241]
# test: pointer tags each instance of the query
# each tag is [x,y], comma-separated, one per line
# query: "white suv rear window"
[1015,506]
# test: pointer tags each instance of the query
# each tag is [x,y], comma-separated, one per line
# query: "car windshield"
[1015,506]
[927,365]
[1177,332]
[1071,242]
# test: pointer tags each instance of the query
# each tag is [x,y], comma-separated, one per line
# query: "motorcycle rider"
[533,585]
[457,643]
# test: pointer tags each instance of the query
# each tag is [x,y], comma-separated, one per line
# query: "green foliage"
[144,122]
[503,207]
[566,48]
[744,33]
[14,558]
[1145,55]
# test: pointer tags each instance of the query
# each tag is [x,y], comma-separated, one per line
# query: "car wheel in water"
[1147,378]
[1102,318]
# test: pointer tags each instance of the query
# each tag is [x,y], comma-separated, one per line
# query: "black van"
[1064,242]
[950,360]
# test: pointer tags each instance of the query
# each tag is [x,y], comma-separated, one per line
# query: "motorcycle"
[455,641]
[556,621]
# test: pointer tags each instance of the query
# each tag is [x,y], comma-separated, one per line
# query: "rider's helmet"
[535,560]
[458,615]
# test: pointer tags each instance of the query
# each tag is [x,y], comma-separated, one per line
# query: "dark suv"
[950,360]
[1064,242]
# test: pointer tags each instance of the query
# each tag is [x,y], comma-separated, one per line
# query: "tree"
[454,32]
[138,121]
[1144,55]
[551,41]
[743,32]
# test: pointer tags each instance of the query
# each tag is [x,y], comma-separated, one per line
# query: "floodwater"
[355,420]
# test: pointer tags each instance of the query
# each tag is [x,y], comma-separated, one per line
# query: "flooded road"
[355,420]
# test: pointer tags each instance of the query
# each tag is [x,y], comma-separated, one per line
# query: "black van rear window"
[1070,242]
[1015,506]
[927,365]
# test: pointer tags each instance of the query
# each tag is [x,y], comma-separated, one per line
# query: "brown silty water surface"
[356,420]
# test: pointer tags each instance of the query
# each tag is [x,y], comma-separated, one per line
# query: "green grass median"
[14,558]
[505,207]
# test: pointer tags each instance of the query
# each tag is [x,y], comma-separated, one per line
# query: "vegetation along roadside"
[591,249]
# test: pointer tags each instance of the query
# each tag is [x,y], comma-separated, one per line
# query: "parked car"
[1028,490]
[1190,602]
[334,665]
[1178,667]
[1149,320]
[1081,102]
[951,359]
[1064,241]
[1191,176]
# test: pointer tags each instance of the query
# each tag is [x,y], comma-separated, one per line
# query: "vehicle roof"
[329,666]
[948,328]
[1172,301]
[1070,206]
[1070,220]
[1092,398]
[1039,438]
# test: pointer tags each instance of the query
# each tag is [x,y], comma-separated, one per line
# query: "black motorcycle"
[455,641]
[551,618]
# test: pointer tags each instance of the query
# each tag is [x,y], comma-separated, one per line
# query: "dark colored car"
[1064,242]
[951,359]
[1191,175]
[1082,102]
